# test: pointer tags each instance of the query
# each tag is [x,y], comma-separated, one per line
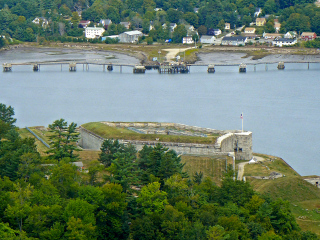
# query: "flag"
[241,116]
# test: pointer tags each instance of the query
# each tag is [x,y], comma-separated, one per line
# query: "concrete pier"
[243,68]
[211,68]
[110,67]
[36,67]
[72,67]
[281,66]
[7,67]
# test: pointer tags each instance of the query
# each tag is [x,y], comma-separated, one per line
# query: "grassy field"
[304,197]
[122,133]
[212,167]
[24,133]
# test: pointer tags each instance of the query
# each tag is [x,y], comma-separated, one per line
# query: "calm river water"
[281,108]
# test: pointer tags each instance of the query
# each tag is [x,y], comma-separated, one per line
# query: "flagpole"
[242,121]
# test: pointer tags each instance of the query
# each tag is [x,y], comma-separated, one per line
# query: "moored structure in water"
[174,67]
[139,69]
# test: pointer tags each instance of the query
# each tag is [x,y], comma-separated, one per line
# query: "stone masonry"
[231,141]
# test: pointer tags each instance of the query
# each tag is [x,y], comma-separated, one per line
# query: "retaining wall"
[224,144]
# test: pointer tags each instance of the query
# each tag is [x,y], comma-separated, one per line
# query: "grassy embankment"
[123,133]
[304,198]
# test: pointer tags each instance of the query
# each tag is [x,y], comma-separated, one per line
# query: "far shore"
[134,54]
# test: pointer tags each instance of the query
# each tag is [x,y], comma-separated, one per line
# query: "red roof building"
[307,36]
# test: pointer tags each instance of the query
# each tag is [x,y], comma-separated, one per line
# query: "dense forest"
[63,17]
[124,194]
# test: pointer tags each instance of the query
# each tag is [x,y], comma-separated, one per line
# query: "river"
[281,108]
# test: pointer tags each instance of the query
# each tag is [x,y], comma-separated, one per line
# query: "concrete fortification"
[233,141]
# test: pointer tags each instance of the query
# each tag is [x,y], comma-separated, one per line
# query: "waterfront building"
[94,32]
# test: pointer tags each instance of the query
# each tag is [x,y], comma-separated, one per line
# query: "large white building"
[130,36]
[94,32]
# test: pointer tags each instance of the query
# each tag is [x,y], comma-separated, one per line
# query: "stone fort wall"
[228,142]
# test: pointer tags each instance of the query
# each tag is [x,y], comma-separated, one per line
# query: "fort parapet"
[233,141]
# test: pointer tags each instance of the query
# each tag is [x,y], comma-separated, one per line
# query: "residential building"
[279,42]
[206,39]
[130,36]
[227,26]
[105,22]
[291,34]
[277,26]
[234,41]
[307,36]
[217,32]
[271,35]
[249,30]
[260,21]
[171,25]
[94,32]
[257,12]
[126,24]
[44,22]
[196,10]
[84,23]
[187,40]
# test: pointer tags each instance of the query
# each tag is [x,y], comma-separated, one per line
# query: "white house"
[171,25]
[105,22]
[130,36]
[257,12]
[234,41]
[216,32]
[227,26]
[291,34]
[277,26]
[205,39]
[38,20]
[187,40]
[279,42]
[249,30]
[94,32]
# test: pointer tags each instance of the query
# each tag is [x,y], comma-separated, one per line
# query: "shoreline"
[206,55]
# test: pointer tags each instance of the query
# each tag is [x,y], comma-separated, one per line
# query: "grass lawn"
[24,133]
[123,133]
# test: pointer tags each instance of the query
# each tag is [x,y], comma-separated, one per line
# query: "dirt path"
[241,167]
[172,52]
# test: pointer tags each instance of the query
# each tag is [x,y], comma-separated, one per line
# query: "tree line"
[124,194]
[63,17]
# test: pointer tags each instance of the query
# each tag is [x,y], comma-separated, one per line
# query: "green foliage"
[56,201]
[63,140]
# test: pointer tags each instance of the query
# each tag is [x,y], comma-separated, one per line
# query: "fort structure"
[229,141]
